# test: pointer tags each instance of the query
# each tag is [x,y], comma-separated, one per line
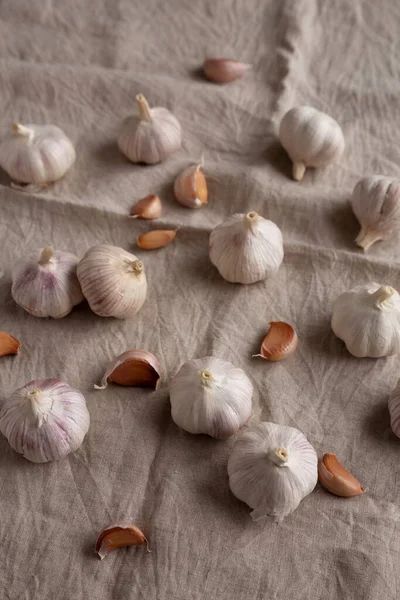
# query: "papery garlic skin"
[367,319]
[311,138]
[376,204]
[151,138]
[45,284]
[394,409]
[44,420]
[36,154]
[272,468]
[246,248]
[210,396]
[113,281]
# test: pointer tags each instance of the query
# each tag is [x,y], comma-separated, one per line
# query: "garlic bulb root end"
[299,169]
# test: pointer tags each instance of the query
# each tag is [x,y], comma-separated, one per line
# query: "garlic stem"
[38,406]
[382,295]
[251,218]
[46,256]
[299,168]
[206,377]
[24,131]
[144,108]
[136,266]
[279,456]
[365,239]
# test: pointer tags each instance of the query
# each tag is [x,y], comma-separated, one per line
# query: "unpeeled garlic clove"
[190,187]
[118,535]
[334,478]
[149,207]
[280,341]
[8,344]
[224,70]
[156,239]
[137,368]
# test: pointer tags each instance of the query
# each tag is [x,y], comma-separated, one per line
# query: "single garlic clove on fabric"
[190,187]
[272,468]
[224,70]
[280,341]
[367,319]
[37,154]
[210,396]
[246,248]
[44,420]
[376,204]
[152,240]
[334,478]
[151,138]
[132,368]
[311,138]
[45,283]
[149,207]
[8,344]
[394,410]
[118,535]
[113,281]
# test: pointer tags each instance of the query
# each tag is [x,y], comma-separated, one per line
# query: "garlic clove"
[190,187]
[8,344]
[334,478]
[149,207]
[118,535]
[224,70]
[280,341]
[136,368]
[158,238]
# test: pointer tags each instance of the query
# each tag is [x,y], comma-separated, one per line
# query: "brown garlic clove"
[334,478]
[224,70]
[118,535]
[190,187]
[280,341]
[149,207]
[158,238]
[136,368]
[8,344]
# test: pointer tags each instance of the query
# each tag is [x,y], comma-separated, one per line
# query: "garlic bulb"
[394,410]
[45,284]
[190,187]
[311,138]
[44,420]
[36,154]
[376,204]
[246,248]
[113,281]
[367,319]
[272,468]
[153,137]
[210,396]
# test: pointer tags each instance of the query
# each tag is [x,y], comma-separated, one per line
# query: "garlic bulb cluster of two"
[44,420]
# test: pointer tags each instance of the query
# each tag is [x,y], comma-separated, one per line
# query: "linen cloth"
[79,65]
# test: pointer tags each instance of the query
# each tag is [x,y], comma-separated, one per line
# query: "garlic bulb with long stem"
[272,468]
[311,138]
[210,396]
[246,248]
[44,420]
[376,204]
[367,319]
[113,281]
[36,153]
[45,284]
[151,138]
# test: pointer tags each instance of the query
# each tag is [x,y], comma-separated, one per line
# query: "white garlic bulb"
[36,154]
[151,138]
[376,204]
[246,248]
[272,468]
[210,396]
[44,420]
[367,319]
[113,281]
[394,410]
[45,284]
[311,138]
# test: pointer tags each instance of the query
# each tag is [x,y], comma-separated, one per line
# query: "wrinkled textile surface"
[79,65]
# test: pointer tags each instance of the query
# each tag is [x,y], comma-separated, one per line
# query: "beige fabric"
[79,65]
